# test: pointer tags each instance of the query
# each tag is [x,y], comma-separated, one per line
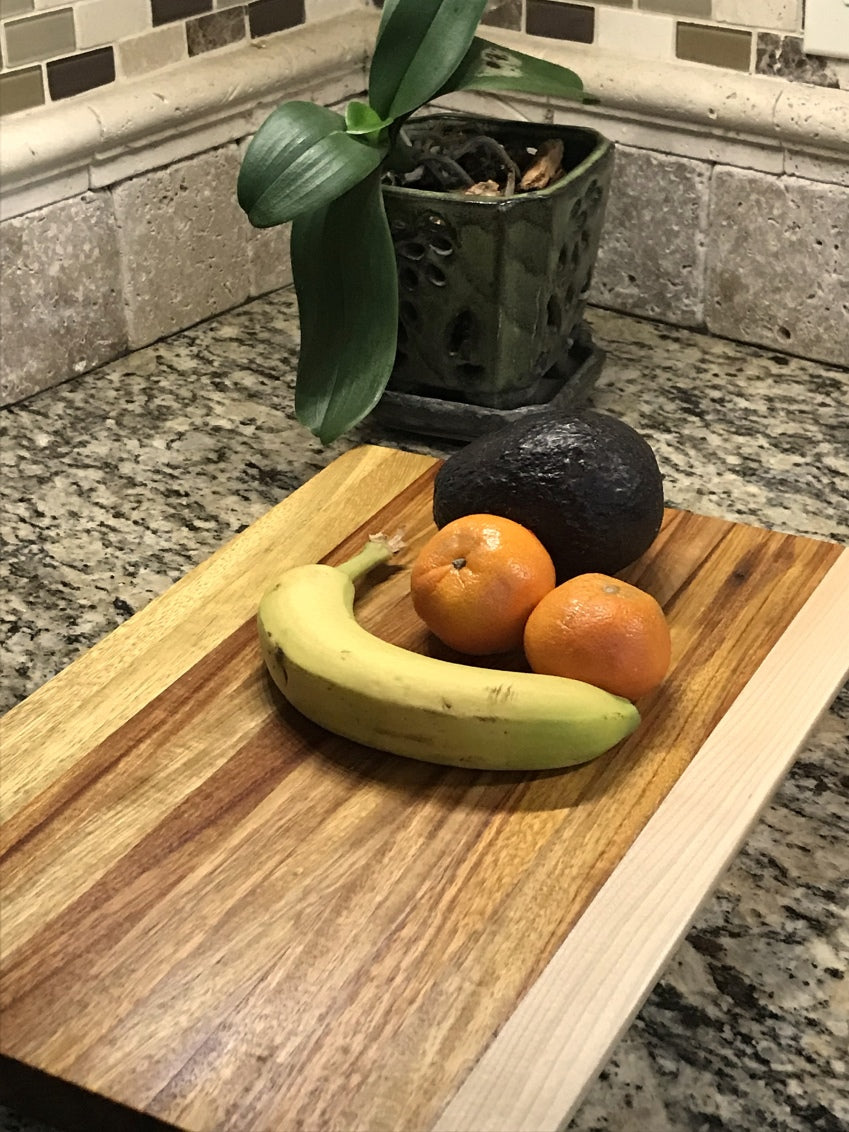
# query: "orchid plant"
[323,171]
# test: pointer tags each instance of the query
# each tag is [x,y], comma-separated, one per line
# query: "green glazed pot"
[492,290]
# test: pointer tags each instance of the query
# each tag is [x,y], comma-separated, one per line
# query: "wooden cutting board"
[216,914]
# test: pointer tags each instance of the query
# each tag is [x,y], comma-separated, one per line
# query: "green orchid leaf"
[361,119]
[300,159]
[420,44]
[389,7]
[346,280]
[489,66]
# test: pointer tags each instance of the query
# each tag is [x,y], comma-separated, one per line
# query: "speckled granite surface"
[117,483]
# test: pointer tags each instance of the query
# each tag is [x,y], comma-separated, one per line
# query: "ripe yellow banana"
[345,679]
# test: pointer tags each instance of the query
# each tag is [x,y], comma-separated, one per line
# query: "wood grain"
[219,915]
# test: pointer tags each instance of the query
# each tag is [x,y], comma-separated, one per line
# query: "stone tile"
[503,14]
[104,21]
[61,307]
[270,263]
[325,9]
[784,55]
[783,15]
[778,263]
[635,33]
[155,49]
[218,29]
[183,240]
[650,262]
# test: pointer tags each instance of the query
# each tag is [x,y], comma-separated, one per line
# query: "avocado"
[587,484]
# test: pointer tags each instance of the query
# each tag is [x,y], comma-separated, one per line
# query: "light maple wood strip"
[536,1072]
[86,702]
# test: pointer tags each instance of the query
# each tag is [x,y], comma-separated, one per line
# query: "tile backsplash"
[755,36]
[55,49]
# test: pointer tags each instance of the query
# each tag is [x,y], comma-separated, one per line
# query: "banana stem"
[378,549]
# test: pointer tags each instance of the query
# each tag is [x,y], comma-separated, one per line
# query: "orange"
[601,630]
[477,579]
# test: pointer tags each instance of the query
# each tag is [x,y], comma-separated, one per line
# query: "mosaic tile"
[164,11]
[208,33]
[268,16]
[699,9]
[784,55]
[21,90]
[720,47]
[77,73]
[560,21]
[40,37]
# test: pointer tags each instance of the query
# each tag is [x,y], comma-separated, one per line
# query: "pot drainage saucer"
[457,420]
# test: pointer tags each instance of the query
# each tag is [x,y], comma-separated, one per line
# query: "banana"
[347,680]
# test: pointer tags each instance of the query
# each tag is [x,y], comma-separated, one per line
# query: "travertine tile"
[635,33]
[651,257]
[183,240]
[778,263]
[60,304]
[270,261]
[504,14]
[158,48]
[105,21]
[217,29]
[324,9]
[779,15]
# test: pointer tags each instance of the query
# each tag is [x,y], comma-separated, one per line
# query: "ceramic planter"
[492,291]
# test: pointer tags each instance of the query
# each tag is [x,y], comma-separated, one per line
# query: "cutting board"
[217,915]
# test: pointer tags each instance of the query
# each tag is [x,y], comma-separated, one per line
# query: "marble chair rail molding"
[120,225]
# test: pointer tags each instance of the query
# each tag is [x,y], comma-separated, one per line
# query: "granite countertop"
[117,483]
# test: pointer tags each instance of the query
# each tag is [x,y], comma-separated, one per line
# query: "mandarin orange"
[603,631]
[476,580]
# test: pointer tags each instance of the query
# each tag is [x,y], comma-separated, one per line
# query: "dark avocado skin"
[586,484]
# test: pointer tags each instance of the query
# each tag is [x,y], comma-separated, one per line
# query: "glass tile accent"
[699,9]
[207,33]
[267,16]
[21,90]
[77,73]
[560,21]
[14,8]
[40,36]
[721,47]
[164,11]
